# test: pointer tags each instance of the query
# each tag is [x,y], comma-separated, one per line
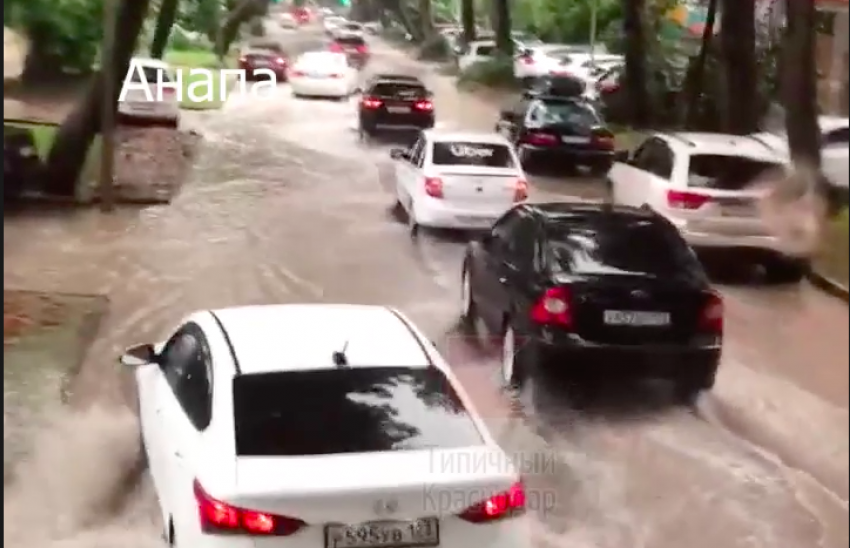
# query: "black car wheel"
[467,304]
[516,359]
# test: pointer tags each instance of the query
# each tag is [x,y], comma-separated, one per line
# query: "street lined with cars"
[289,206]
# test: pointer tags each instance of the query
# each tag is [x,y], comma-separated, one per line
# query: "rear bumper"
[322,88]
[714,240]
[372,122]
[433,213]
[571,153]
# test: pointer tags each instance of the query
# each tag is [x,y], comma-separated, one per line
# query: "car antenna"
[339,358]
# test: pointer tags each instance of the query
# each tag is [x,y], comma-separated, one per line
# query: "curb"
[828,285]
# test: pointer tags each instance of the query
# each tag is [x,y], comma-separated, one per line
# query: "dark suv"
[402,103]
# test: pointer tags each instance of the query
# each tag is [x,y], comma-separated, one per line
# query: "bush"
[183,40]
[496,73]
[436,48]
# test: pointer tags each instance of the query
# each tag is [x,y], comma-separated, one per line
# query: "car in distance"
[457,180]
[594,290]
[252,437]
[354,46]
[323,74]
[547,126]
[705,184]
[395,103]
[258,58]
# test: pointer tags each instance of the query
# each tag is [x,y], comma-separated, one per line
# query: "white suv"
[702,183]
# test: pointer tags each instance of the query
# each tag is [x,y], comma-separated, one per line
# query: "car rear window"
[472,154]
[356,410]
[635,247]
[568,113]
[351,41]
[401,90]
[151,75]
[723,172]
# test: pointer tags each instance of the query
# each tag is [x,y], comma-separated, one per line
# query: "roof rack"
[762,142]
[681,139]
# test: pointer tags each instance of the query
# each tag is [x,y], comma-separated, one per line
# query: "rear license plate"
[738,211]
[575,140]
[636,318]
[384,534]
[398,110]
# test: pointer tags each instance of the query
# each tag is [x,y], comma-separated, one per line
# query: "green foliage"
[565,21]
[66,33]
[201,15]
[183,40]
[495,73]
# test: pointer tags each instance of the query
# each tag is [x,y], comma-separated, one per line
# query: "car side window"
[506,238]
[534,114]
[654,156]
[416,151]
[839,136]
[187,365]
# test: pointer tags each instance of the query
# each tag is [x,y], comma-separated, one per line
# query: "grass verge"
[44,134]
[209,90]
[834,255]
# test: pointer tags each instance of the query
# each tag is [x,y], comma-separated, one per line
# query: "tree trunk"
[241,13]
[504,43]
[467,17]
[799,83]
[738,45]
[426,19]
[696,74]
[636,81]
[164,22]
[74,137]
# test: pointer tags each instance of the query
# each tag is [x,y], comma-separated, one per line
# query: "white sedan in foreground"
[318,426]
[323,74]
[458,180]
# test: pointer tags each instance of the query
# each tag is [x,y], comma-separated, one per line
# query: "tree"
[164,21]
[635,72]
[504,41]
[426,19]
[738,46]
[799,83]
[696,72]
[74,137]
[467,17]
[240,13]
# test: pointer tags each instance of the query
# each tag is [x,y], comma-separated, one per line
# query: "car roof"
[721,144]
[293,337]
[153,63]
[443,136]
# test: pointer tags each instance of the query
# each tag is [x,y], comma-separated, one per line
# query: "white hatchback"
[458,180]
[140,105]
[323,74]
[318,426]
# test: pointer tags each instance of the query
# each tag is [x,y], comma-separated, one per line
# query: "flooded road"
[287,205]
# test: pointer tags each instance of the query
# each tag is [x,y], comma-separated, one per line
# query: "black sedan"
[395,104]
[595,289]
[558,127]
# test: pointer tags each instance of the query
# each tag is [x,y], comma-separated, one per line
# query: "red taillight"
[434,187]
[711,320]
[361,49]
[337,76]
[521,190]
[296,74]
[553,308]
[335,48]
[678,199]
[371,103]
[280,61]
[218,517]
[540,139]
[503,505]
[603,141]
[424,105]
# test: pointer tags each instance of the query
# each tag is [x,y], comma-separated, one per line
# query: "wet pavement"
[287,205]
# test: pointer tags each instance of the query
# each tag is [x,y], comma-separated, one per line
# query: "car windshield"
[353,410]
[568,113]
[351,41]
[722,172]
[152,75]
[624,247]
[457,153]
[401,90]
[353,26]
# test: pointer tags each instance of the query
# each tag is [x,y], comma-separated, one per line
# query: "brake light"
[678,199]
[220,518]
[371,103]
[521,190]
[280,61]
[361,49]
[540,139]
[553,308]
[296,74]
[711,320]
[424,105]
[434,187]
[500,506]
[607,87]
[337,48]
[603,141]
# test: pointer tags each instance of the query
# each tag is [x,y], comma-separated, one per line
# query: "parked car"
[354,46]
[139,104]
[476,52]
[594,291]
[537,60]
[395,103]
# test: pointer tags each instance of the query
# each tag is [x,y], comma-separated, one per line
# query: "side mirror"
[141,354]
[622,156]
[398,154]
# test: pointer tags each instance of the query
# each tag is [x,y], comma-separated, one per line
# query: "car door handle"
[503,280]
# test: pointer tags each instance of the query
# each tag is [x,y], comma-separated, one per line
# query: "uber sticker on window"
[466,151]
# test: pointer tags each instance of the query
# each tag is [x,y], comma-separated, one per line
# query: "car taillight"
[607,87]
[434,187]
[603,140]
[521,190]
[296,74]
[371,103]
[500,506]
[335,48]
[553,308]
[220,518]
[361,49]
[711,319]
[280,61]
[678,199]
[424,105]
[335,76]
[540,139]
